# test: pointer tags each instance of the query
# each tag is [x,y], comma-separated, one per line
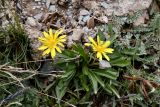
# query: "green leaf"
[62,86]
[81,51]
[109,73]
[69,53]
[114,90]
[83,80]
[115,55]
[93,81]
[131,51]
[107,88]
[101,35]
[61,89]
[85,70]
[49,86]
[68,74]
[70,71]
[98,78]
[121,62]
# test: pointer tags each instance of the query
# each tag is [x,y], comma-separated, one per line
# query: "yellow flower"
[100,47]
[51,42]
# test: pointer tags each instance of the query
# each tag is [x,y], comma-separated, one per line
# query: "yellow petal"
[41,39]
[59,43]
[46,52]
[58,49]
[106,44]
[53,53]
[62,37]
[98,40]
[87,44]
[42,47]
[91,39]
[46,34]
[94,49]
[99,55]
[57,33]
[62,40]
[50,32]
[109,50]
[106,56]
[101,42]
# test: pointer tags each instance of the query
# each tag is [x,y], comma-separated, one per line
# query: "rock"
[84,12]
[37,0]
[4,23]
[74,23]
[75,3]
[103,19]
[105,5]
[36,7]
[125,6]
[84,15]
[38,16]
[85,18]
[52,8]
[90,4]
[77,34]
[48,3]
[63,3]
[31,21]
[53,2]
[91,23]
[19,6]
[69,42]
[104,64]
[33,33]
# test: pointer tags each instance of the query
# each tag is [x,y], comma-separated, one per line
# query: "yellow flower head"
[100,47]
[51,42]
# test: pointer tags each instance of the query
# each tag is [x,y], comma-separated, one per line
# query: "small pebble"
[31,21]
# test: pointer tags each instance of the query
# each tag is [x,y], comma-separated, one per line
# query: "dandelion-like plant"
[52,42]
[100,47]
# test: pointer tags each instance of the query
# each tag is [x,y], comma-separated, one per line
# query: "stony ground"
[78,18]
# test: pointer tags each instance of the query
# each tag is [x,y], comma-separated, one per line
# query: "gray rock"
[104,64]
[125,6]
[69,42]
[85,18]
[48,3]
[52,8]
[37,0]
[38,16]
[53,2]
[77,34]
[31,21]
[84,12]
[104,4]
[80,18]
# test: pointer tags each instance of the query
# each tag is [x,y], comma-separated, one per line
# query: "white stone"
[104,64]
[31,21]
[125,6]
[77,34]
[37,0]
[38,16]
[84,12]
[48,3]
[85,18]
[52,8]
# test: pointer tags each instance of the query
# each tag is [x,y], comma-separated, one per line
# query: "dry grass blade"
[14,78]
